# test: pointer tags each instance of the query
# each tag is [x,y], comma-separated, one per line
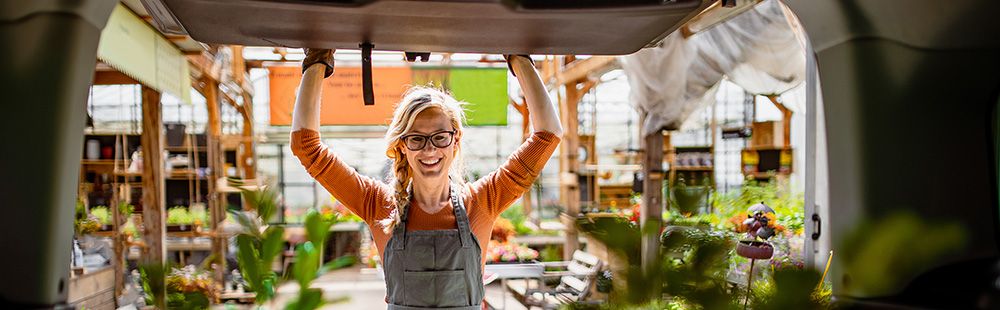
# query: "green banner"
[485,91]
[135,48]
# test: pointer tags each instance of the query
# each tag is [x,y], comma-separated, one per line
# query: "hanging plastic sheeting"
[758,50]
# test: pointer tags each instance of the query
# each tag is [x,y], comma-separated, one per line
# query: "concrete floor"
[363,288]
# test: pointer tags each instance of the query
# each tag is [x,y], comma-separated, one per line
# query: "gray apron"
[434,269]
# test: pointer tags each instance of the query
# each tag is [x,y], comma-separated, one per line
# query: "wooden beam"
[112,78]
[202,65]
[650,221]
[581,69]
[153,191]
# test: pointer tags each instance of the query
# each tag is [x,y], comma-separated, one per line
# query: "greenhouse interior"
[484,154]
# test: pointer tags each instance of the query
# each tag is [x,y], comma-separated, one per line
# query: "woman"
[430,227]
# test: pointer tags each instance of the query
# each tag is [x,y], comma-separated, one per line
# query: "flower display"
[503,229]
[509,252]
[190,280]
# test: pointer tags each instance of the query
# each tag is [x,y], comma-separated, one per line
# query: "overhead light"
[165,20]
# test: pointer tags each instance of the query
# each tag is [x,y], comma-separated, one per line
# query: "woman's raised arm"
[500,189]
[317,66]
[357,192]
[543,115]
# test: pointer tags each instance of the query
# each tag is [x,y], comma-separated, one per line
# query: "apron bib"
[434,269]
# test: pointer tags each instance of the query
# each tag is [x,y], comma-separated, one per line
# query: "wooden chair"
[576,280]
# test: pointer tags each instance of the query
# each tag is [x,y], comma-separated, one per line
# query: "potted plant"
[179,219]
[103,217]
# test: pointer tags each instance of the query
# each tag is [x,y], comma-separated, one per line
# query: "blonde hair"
[416,100]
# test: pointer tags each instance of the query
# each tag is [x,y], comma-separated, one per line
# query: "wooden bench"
[576,279]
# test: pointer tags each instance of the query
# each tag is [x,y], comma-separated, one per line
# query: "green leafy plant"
[154,283]
[777,194]
[102,214]
[179,215]
[515,214]
[125,209]
[87,225]
[199,216]
[308,258]
[80,209]
[692,267]
[258,247]
[177,288]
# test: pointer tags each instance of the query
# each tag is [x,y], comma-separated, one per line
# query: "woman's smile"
[430,164]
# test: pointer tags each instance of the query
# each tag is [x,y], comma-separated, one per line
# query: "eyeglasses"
[441,139]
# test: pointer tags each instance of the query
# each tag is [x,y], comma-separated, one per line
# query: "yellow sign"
[133,47]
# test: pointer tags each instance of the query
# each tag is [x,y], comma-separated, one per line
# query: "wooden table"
[95,289]
[513,271]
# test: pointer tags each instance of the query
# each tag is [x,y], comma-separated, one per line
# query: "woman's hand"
[540,110]
[317,65]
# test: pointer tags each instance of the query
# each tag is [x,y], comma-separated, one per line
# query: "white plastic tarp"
[759,50]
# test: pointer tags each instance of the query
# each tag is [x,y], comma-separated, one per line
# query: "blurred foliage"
[102,214]
[308,259]
[257,246]
[125,209]
[776,193]
[551,253]
[693,266]
[154,283]
[179,215]
[515,214]
[177,288]
[882,254]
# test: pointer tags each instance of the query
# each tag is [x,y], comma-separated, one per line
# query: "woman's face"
[430,128]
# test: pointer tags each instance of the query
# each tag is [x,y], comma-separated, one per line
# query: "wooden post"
[652,197]
[117,239]
[569,162]
[153,191]
[216,164]
[247,157]
[786,120]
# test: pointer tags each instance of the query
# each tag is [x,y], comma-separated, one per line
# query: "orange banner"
[342,102]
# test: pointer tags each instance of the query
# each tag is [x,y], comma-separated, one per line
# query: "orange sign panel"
[342,102]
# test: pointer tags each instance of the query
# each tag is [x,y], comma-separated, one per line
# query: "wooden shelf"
[185,149]
[128,174]
[98,162]
[694,168]
[767,148]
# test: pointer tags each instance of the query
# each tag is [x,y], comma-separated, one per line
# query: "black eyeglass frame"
[429,137]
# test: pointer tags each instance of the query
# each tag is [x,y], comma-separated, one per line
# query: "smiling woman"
[428,222]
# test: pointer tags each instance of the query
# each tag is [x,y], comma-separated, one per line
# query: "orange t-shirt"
[371,199]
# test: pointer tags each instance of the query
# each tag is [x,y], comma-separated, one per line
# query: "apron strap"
[400,229]
[462,218]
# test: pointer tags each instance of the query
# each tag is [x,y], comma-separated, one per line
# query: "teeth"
[430,162]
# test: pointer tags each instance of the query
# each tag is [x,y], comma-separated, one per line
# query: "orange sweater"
[370,199]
